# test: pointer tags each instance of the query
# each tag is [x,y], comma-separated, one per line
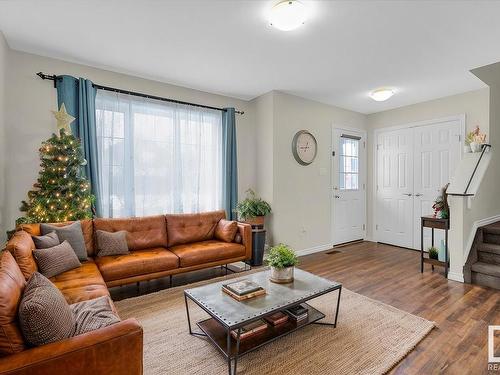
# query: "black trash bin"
[258,242]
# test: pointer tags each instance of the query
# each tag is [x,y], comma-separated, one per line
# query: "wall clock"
[304,147]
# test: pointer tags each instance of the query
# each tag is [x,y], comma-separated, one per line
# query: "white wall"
[4,49]
[474,104]
[29,120]
[302,194]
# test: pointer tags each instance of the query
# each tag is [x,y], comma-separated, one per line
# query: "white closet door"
[395,187]
[436,153]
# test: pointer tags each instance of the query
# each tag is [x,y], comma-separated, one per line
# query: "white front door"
[395,187]
[413,164]
[437,150]
[349,186]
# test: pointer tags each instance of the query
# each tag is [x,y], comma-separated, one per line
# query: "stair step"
[489,248]
[486,257]
[487,269]
[485,280]
[491,233]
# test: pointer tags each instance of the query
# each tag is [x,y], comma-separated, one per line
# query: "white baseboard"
[314,249]
[456,276]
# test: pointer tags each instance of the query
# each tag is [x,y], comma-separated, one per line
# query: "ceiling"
[424,49]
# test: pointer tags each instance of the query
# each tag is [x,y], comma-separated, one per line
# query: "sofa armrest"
[245,231]
[116,349]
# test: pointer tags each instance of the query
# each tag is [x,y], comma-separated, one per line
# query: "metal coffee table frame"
[233,355]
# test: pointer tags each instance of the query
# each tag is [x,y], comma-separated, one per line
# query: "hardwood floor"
[462,312]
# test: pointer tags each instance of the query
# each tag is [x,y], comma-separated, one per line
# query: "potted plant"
[433,252]
[253,209]
[475,139]
[282,260]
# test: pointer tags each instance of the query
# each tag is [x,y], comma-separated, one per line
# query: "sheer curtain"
[157,157]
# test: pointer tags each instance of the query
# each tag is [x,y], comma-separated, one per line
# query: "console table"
[434,223]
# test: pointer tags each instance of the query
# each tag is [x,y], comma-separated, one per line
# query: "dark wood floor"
[462,312]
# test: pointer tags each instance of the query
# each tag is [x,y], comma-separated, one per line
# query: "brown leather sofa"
[159,246]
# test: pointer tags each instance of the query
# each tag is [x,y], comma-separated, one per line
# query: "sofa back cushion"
[87,229]
[188,228]
[12,285]
[142,232]
[21,246]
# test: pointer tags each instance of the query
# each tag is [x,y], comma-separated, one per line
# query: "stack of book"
[277,318]
[243,289]
[297,313]
[250,330]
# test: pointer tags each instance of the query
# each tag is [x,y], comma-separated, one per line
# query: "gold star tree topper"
[64,119]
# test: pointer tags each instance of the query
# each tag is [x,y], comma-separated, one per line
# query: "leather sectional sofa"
[159,246]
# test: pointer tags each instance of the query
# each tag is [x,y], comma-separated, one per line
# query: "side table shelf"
[434,223]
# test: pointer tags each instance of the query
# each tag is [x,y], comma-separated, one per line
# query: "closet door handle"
[418,195]
[408,194]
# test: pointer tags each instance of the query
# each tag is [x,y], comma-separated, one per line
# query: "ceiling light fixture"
[381,95]
[288,15]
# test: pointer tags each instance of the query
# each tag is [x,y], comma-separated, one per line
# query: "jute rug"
[371,338]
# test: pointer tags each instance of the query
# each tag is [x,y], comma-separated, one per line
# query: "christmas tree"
[61,192]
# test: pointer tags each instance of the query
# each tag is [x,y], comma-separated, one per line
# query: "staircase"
[483,264]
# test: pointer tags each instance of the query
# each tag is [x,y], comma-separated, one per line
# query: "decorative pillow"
[226,230]
[56,260]
[44,314]
[238,238]
[71,233]
[111,243]
[93,314]
[44,242]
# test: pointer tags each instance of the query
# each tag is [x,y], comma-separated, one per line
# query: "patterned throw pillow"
[56,260]
[93,314]
[226,230]
[44,242]
[71,233]
[111,243]
[44,314]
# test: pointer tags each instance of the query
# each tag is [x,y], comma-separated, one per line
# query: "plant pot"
[257,220]
[475,147]
[281,275]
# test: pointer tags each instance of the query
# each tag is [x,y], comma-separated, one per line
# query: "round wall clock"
[304,147]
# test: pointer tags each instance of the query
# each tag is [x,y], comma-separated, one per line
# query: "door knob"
[337,196]
[418,195]
[408,194]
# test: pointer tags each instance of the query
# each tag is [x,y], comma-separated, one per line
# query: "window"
[349,163]
[156,157]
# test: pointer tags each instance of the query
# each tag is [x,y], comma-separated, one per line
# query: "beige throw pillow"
[93,314]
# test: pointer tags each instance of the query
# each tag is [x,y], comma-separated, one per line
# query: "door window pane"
[349,164]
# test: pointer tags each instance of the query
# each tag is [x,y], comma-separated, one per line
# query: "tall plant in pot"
[282,260]
[253,209]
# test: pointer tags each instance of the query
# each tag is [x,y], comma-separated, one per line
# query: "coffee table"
[227,314]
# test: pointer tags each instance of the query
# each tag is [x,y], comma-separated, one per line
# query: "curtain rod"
[53,77]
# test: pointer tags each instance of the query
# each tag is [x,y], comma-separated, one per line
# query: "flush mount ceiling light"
[381,94]
[288,15]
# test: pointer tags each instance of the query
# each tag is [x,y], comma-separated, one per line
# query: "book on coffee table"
[243,297]
[250,329]
[298,312]
[277,318]
[242,287]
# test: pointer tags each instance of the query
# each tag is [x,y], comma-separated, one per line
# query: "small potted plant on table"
[433,252]
[253,209]
[282,260]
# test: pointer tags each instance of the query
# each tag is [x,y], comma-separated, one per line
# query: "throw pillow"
[93,314]
[71,233]
[56,260]
[44,242]
[226,230]
[111,243]
[44,314]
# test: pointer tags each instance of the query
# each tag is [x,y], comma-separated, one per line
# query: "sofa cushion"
[82,283]
[87,229]
[188,228]
[142,232]
[44,242]
[56,260]
[72,233]
[111,243]
[93,314]
[139,262]
[206,252]
[226,230]
[12,285]
[21,246]
[44,314]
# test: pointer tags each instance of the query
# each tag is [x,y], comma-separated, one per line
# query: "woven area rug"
[371,338]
